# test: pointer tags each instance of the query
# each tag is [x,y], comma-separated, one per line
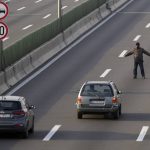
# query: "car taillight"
[19,113]
[114,100]
[78,101]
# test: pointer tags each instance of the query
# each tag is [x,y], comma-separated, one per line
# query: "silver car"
[16,115]
[99,97]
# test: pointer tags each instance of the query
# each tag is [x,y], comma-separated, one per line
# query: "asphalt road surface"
[53,91]
[26,16]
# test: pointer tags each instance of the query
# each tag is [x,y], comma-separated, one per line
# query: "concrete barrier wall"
[3,84]
[34,59]
[10,76]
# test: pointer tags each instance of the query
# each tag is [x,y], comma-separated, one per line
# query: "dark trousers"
[141,68]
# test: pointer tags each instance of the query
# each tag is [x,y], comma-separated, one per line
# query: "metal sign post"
[2,67]
[3,32]
[59,9]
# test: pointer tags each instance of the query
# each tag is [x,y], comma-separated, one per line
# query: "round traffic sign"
[3,10]
[3,30]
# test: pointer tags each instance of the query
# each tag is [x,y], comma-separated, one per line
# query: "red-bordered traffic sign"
[3,10]
[3,30]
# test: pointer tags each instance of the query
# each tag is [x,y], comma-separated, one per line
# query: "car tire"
[25,133]
[79,115]
[32,128]
[116,114]
[120,110]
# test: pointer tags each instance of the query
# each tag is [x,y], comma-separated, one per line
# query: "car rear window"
[103,90]
[10,105]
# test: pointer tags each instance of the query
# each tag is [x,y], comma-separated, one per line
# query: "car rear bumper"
[98,110]
[16,128]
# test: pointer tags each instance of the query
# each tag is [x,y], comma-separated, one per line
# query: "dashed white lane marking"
[48,15]
[38,1]
[6,38]
[105,73]
[148,25]
[76,0]
[27,27]
[64,7]
[21,8]
[137,38]
[142,133]
[123,53]
[51,133]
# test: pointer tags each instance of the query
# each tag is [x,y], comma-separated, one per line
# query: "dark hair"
[137,44]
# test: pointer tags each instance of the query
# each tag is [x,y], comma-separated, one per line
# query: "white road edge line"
[148,25]
[51,133]
[66,50]
[48,15]
[6,38]
[142,133]
[38,1]
[137,38]
[105,73]
[64,7]
[123,53]
[21,8]
[27,27]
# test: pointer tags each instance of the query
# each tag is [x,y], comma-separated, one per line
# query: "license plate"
[5,115]
[97,103]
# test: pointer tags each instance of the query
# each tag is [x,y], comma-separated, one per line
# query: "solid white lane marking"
[66,50]
[123,53]
[148,25]
[137,38]
[6,38]
[105,73]
[76,1]
[21,8]
[64,7]
[142,133]
[51,133]
[48,15]
[27,27]
[38,1]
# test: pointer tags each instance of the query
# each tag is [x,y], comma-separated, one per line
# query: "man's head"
[137,44]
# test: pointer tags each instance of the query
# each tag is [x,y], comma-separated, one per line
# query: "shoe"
[143,77]
[134,77]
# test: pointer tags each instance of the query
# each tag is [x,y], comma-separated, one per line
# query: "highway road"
[26,16]
[53,91]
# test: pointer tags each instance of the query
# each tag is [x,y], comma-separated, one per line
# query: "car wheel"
[79,115]
[32,128]
[120,110]
[25,133]
[116,114]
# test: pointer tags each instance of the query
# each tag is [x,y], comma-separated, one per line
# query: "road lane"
[53,91]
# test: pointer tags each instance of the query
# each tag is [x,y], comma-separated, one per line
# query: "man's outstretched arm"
[129,53]
[146,52]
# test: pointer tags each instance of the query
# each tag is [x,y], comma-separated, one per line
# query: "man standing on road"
[138,59]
